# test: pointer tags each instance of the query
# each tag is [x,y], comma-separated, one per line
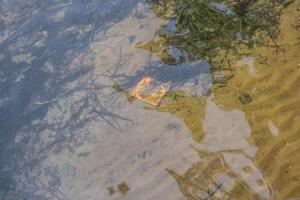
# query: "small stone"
[245,98]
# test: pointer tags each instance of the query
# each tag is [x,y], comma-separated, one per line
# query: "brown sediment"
[273,93]
[197,180]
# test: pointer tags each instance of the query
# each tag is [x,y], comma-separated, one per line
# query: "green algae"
[205,31]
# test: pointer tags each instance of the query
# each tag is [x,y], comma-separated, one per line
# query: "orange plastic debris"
[153,97]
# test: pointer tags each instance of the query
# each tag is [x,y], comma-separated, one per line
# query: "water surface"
[66,133]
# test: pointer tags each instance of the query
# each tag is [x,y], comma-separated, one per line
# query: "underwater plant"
[218,31]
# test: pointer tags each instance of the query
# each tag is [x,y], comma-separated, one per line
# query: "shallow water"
[66,133]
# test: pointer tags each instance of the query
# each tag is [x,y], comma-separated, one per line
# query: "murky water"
[67,132]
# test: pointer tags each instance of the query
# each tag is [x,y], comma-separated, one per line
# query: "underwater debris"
[150,91]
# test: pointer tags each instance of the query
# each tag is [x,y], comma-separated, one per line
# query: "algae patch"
[216,31]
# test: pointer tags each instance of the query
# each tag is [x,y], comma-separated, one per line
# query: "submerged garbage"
[150,91]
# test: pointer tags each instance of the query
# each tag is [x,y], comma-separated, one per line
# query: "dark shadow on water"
[33,29]
[175,75]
